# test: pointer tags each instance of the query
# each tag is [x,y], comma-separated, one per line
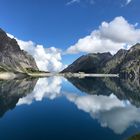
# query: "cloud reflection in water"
[45,88]
[108,110]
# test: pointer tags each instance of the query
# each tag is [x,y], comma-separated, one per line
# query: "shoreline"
[82,75]
[12,75]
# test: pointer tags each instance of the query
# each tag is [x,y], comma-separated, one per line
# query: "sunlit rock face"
[45,88]
[12,90]
[47,58]
[12,58]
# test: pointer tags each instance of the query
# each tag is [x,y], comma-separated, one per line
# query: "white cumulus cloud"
[109,37]
[47,59]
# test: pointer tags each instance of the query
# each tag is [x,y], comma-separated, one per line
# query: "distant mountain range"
[124,62]
[12,58]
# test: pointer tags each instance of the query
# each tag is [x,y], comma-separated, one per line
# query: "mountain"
[124,62]
[113,64]
[12,58]
[90,63]
[131,61]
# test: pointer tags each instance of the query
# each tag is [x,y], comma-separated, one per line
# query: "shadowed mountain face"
[123,89]
[90,63]
[11,91]
[12,58]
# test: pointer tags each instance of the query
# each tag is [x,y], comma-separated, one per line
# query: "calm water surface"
[73,108]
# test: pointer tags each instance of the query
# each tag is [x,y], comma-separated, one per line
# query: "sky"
[56,32]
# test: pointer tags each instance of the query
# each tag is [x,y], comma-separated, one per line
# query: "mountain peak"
[136,46]
[7,44]
[124,62]
[12,58]
[89,63]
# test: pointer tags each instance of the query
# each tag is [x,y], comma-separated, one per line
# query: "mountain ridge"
[12,58]
[124,62]
[82,66]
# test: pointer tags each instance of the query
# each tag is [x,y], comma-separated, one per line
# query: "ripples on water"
[72,108]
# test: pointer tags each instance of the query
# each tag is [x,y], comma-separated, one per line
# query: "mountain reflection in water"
[113,102]
[12,90]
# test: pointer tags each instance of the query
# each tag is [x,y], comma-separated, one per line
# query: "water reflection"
[113,102]
[12,90]
[123,89]
[45,88]
[110,111]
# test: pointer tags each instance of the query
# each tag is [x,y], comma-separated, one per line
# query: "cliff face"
[131,62]
[113,65]
[125,62]
[12,58]
[90,63]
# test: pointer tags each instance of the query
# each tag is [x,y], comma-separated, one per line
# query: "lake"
[73,108]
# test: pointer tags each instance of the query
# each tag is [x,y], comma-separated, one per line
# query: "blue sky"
[61,23]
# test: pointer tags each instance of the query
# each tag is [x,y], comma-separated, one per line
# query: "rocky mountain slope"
[90,63]
[12,58]
[124,62]
[131,61]
[116,60]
